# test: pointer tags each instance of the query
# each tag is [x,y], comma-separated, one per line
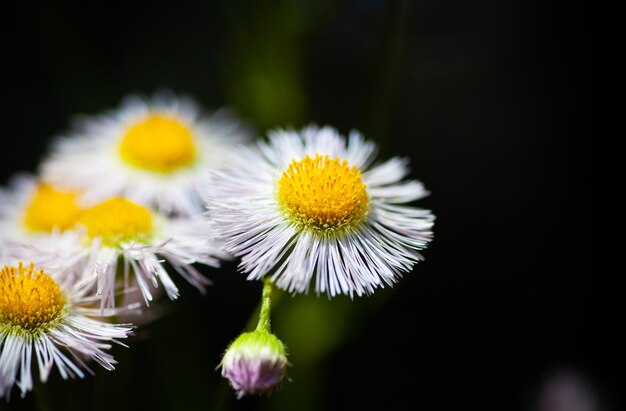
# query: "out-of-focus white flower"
[153,151]
[310,206]
[44,318]
[30,208]
[32,211]
[117,241]
[568,390]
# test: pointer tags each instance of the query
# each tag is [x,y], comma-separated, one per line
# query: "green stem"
[266,306]
[223,396]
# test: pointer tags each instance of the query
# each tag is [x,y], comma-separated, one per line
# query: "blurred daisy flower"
[30,208]
[309,206]
[122,243]
[153,151]
[32,211]
[47,319]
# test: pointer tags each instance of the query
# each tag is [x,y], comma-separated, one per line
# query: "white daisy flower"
[30,208]
[117,239]
[32,211]
[44,318]
[153,151]
[310,206]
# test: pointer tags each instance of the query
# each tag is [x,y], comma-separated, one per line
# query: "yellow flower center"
[323,194]
[117,220]
[29,298]
[159,143]
[51,208]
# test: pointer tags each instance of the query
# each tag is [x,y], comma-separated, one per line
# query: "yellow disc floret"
[117,220]
[159,143]
[51,208]
[323,194]
[29,298]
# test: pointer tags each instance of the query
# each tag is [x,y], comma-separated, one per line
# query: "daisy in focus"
[309,207]
[153,151]
[50,320]
[118,243]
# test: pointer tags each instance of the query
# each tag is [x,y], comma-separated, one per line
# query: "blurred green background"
[486,99]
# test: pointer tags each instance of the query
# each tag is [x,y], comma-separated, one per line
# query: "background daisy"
[154,151]
[30,208]
[118,239]
[309,207]
[34,212]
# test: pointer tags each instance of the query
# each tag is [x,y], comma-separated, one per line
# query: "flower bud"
[254,363]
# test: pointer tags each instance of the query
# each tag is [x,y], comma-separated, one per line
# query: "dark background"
[496,103]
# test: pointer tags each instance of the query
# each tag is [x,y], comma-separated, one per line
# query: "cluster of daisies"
[128,201]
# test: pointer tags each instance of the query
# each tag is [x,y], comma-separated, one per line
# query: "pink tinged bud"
[255,363]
